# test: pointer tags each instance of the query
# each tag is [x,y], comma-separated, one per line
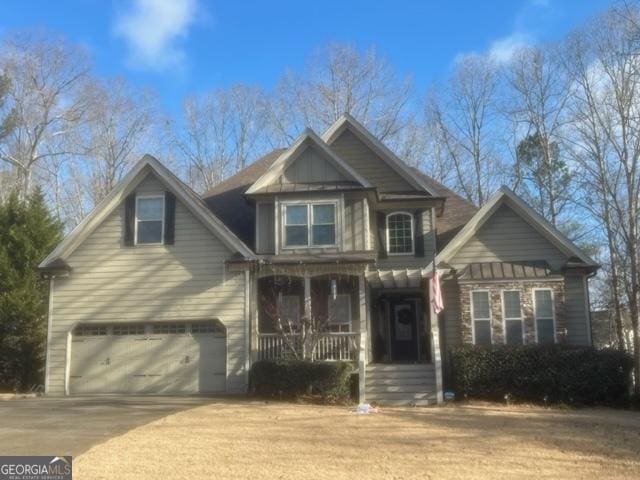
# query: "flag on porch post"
[435,293]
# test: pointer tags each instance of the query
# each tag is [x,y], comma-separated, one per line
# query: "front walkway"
[243,439]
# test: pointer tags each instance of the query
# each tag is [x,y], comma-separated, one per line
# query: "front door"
[404,331]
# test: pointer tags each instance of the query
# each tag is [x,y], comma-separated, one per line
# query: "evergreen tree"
[28,233]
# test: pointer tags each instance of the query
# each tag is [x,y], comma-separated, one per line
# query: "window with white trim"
[544,314]
[339,312]
[149,220]
[512,316]
[400,235]
[289,309]
[481,317]
[310,224]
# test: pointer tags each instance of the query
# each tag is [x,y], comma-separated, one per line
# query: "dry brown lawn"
[242,439]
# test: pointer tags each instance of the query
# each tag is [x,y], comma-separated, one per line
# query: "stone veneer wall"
[526,298]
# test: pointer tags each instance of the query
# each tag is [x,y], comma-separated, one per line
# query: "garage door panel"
[151,363]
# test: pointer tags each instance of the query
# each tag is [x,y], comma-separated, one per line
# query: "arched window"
[400,233]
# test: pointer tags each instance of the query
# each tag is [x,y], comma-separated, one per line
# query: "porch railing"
[330,346]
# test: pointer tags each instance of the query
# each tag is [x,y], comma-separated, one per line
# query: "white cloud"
[503,49]
[153,30]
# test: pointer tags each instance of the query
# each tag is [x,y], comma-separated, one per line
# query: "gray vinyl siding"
[364,161]
[311,167]
[185,281]
[266,237]
[410,261]
[506,237]
[576,316]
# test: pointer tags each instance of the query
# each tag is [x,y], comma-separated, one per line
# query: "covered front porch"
[356,314]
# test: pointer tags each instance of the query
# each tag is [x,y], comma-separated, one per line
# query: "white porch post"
[307,306]
[362,351]
[435,347]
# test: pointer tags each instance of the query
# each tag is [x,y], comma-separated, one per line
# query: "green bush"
[554,374]
[331,381]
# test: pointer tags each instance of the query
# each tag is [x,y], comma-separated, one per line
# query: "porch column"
[254,320]
[307,306]
[362,351]
[435,346]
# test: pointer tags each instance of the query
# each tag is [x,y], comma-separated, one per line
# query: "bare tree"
[605,63]
[219,133]
[340,79]
[47,75]
[538,96]
[464,115]
[119,128]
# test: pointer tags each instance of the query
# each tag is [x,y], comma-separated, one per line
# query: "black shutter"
[169,218]
[382,235]
[129,219]
[418,235]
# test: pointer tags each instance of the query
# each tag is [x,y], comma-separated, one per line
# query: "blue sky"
[180,47]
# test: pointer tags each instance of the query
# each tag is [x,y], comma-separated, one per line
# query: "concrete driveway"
[72,425]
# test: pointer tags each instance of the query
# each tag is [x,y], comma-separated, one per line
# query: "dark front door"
[404,331]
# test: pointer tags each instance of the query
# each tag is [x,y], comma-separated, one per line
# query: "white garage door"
[148,358]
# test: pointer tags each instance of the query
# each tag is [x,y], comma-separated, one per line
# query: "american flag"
[436,292]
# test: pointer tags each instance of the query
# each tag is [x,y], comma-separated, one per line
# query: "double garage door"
[184,357]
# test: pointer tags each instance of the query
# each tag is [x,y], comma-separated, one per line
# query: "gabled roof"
[533,218]
[346,121]
[183,193]
[307,138]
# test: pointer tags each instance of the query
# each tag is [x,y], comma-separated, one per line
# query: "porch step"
[397,384]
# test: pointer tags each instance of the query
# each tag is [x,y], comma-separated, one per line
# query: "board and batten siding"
[365,161]
[111,283]
[266,234]
[311,166]
[576,313]
[506,237]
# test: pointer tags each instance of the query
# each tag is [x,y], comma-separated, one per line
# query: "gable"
[116,197]
[103,248]
[369,164]
[312,166]
[507,237]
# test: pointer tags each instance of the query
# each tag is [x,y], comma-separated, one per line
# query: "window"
[339,312]
[543,310]
[400,233]
[310,225]
[512,315]
[170,328]
[206,327]
[129,329]
[481,317]
[289,309]
[90,330]
[149,220]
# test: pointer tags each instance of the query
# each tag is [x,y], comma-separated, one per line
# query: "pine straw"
[242,439]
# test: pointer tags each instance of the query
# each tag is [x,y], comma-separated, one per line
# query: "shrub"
[555,374]
[331,381]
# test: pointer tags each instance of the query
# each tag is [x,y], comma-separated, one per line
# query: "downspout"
[247,321]
[49,327]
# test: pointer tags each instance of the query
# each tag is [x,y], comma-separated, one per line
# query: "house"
[160,290]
